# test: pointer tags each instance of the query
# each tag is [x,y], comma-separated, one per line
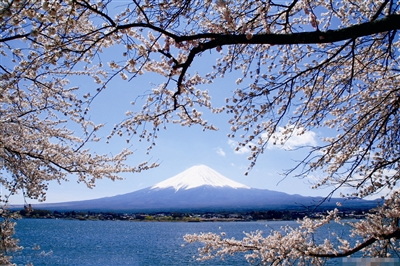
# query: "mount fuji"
[201,188]
[197,176]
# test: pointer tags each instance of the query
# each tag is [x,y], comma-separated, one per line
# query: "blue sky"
[178,148]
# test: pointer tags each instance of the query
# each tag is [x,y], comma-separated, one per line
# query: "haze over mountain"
[201,188]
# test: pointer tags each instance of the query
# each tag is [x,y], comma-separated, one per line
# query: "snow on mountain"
[197,176]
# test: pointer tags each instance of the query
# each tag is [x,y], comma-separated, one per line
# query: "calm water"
[72,242]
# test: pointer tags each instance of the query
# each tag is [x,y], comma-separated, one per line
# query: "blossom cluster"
[301,66]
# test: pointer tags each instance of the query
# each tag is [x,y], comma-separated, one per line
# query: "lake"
[73,242]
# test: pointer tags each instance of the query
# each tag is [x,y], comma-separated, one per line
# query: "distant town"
[184,217]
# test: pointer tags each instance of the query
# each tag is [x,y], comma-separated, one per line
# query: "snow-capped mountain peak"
[196,176]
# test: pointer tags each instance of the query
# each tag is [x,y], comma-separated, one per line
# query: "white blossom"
[302,66]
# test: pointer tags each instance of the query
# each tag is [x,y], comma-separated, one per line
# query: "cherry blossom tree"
[302,65]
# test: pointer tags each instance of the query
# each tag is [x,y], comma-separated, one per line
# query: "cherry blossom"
[300,66]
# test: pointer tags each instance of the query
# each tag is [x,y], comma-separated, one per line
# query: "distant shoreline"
[184,217]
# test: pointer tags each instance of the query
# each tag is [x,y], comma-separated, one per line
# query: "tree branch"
[391,22]
[14,37]
[394,234]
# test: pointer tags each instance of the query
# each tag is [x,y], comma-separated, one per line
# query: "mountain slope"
[201,188]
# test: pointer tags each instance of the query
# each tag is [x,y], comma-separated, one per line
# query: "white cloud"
[237,149]
[221,152]
[298,138]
